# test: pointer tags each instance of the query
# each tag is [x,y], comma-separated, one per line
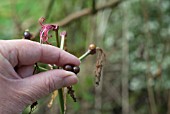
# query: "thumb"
[42,84]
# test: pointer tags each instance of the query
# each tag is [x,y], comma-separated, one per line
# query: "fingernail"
[68,81]
[68,73]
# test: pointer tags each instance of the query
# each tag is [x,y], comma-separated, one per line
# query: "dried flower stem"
[57,39]
[60,91]
[54,94]
[84,55]
[62,42]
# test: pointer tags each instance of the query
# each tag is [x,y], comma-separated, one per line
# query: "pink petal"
[45,29]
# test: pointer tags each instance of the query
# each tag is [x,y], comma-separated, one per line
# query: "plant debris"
[101,57]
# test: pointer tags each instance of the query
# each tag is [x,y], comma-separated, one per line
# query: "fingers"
[6,69]
[41,84]
[51,54]
[28,52]
[25,71]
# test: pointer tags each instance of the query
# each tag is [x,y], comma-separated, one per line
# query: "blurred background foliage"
[135,35]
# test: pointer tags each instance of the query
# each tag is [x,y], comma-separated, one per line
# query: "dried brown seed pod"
[71,92]
[101,58]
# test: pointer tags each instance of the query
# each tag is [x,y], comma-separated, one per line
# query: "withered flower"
[45,28]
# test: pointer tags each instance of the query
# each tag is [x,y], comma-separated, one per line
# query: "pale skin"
[18,86]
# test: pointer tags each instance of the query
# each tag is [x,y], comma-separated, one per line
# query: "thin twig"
[151,95]
[15,17]
[86,11]
[125,60]
[49,8]
[57,39]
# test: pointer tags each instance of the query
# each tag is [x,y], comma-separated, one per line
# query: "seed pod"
[76,69]
[68,68]
[92,49]
[27,35]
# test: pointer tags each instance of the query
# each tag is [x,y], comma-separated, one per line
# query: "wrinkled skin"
[18,86]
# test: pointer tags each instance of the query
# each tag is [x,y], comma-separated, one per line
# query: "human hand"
[19,87]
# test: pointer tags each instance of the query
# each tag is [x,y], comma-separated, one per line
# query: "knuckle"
[49,84]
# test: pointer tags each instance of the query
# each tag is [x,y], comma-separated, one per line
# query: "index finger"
[29,52]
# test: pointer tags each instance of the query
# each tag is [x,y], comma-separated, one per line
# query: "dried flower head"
[71,92]
[63,33]
[45,28]
[101,57]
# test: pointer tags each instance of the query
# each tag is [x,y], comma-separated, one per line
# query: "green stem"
[41,68]
[60,91]
[61,99]
[84,55]
[62,42]
[57,39]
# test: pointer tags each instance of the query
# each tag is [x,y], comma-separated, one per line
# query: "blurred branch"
[125,60]
[168,112]
[115,94]
[149,77]
[15,17]
[98,34]
[85,12]
[93,6]
[49,8]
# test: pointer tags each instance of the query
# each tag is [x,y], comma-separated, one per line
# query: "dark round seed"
[76,69]
[68,68]
[27,35]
